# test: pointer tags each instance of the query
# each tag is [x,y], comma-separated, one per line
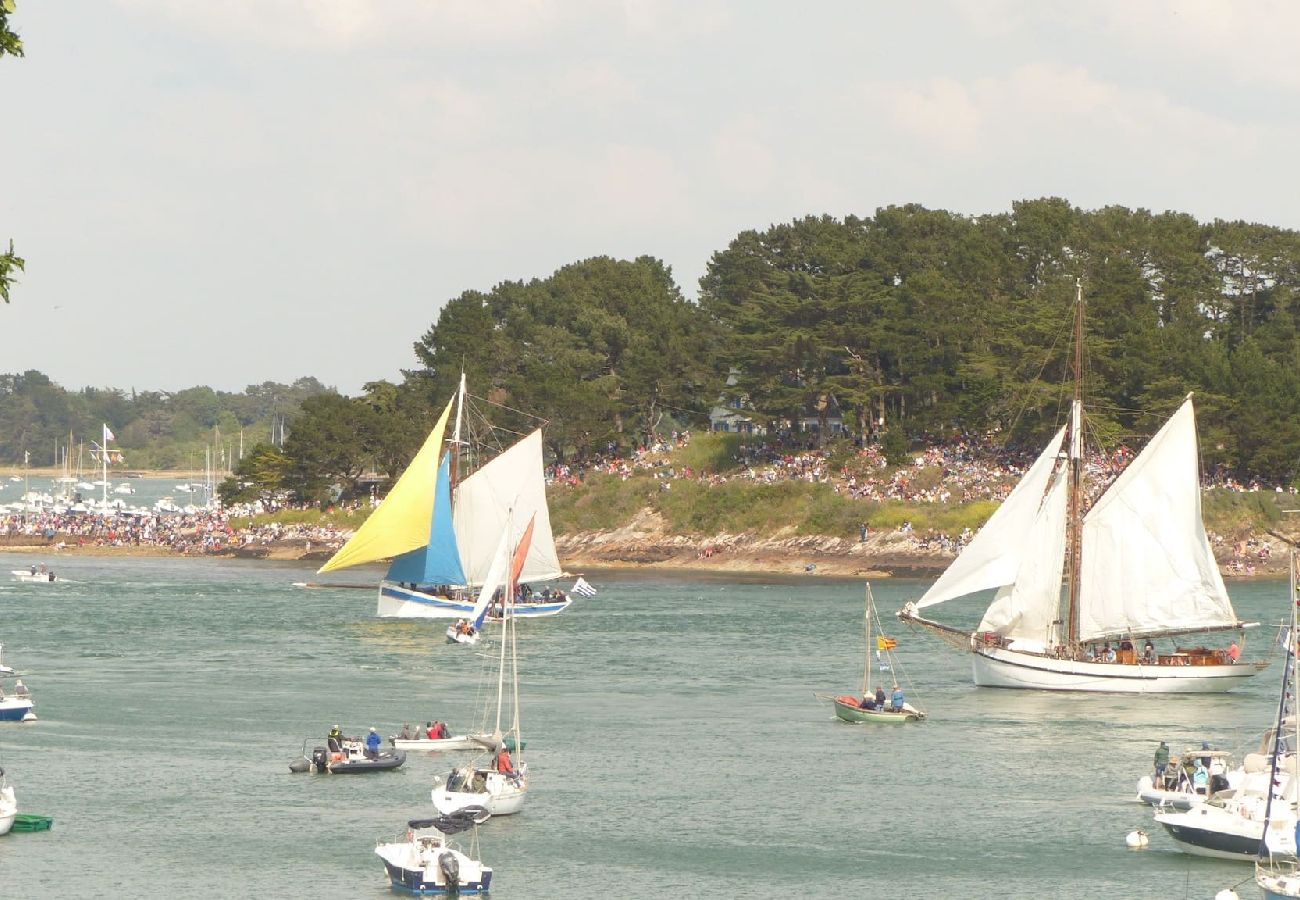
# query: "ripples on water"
[676,746]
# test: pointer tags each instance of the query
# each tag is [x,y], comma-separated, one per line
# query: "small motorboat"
[425,863]
[34,575]
[349,758]
[416,740]
[462,632]
[1177,788]
[16,703]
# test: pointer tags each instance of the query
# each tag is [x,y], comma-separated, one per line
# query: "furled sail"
[402,522]
[1147,565]
[995,556]
[1027,609]
[513,482]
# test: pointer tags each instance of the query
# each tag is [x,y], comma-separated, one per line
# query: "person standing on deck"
[880,696]
[372,744]
[1162,760]
[896,699]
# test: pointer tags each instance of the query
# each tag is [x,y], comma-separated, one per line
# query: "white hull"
[457,637]
[1147,793]
[38,578]
[456,742]
[404,603]
[999,667]
[8,809]
[502,796]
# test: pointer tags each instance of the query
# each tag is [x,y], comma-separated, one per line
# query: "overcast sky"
[229,193]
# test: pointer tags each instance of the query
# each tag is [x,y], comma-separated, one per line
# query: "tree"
[10,45]
[330,446]
[260,475]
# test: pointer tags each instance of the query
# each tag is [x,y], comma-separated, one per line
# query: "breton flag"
[101,452]
[582,588]
[885,643]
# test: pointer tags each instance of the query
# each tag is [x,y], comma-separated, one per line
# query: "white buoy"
[1227,894]
[1136,840]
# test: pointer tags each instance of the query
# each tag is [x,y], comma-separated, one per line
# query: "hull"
[38,578]
[457,637]
[851,712]
[1179,800]
[8,808]
[501,796]
[356,766]
[456,742]
[1239,843]
[1277,886]
[413,866]
[397,602]
[15,709]
[999,667]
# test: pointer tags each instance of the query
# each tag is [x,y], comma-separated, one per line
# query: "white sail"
[514,481]
[495,579]
[1027,609]
[1147,565]
[995,556]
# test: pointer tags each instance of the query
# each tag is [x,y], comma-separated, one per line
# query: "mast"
[455,434]
[1074,521]
[866,654]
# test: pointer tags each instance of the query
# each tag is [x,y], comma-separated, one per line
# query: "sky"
[260,190]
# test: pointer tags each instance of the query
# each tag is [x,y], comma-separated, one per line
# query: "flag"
[108,434]
[885,643]
[884,666]
[582,588]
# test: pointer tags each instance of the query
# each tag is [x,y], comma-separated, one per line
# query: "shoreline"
[877,557]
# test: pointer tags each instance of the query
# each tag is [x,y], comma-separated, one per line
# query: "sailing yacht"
[440,547]
[1137,566]
[498,789]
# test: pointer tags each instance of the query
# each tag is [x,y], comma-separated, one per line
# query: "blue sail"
[438,562]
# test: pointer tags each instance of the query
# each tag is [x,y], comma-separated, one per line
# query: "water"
[147,491]
[675,744]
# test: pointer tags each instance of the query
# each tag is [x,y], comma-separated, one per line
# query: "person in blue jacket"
[372,744]
[896,699]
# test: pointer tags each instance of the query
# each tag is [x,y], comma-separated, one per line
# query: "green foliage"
[713,452]
[10,262]
[258,476]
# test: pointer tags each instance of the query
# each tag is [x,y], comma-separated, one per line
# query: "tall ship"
[1082,596]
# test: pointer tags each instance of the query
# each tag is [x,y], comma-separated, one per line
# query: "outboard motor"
[320,758]
[449,865]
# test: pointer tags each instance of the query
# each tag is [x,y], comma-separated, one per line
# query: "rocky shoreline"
[641,545]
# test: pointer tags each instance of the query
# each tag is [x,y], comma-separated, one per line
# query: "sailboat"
[501,792]
[1277,874]
[1138,567]
[441,547]
[847,706]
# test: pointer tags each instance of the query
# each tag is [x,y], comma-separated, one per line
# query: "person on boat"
[33,570]
[896,699]
[1108,653]
[1234,652]
[406,734]
[505,766]
[1206,761]
[1162,760]
[868,702]
[1149,653]
[440,731]
[372,744]
[428,731]
[880,696]
[335,739]
[1200,778]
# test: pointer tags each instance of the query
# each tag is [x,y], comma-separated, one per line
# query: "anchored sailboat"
[440,547]
[1137,567]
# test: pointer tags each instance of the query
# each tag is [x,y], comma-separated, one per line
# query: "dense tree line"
[154,429]
[921,323]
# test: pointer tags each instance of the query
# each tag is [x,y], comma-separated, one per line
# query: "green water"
[675,745]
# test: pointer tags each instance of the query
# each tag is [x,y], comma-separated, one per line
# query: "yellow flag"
[885,643]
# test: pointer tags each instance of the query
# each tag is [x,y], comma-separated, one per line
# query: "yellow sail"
[401,522]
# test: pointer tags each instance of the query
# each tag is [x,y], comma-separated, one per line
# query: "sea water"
[673,739]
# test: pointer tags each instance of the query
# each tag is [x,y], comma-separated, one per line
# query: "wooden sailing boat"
[1138,567]
[847,706]
[441,546]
